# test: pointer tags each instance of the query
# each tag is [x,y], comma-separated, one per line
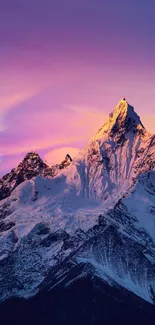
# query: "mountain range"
[31,166]
[84,229]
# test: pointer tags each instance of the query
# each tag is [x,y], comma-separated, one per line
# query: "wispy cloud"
[9,102]
[88,119]
[38,145]
[2,123]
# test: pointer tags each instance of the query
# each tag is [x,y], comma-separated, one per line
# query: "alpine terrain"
[77,240]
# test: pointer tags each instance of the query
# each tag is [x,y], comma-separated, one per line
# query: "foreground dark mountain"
[97,216]
[85,301]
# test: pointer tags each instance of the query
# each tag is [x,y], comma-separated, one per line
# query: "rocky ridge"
[31,166]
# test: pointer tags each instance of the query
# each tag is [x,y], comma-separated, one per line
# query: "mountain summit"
[114,156]
[122,120]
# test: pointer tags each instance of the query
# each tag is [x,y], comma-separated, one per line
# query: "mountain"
[31,166]
[114,157]
[91,226]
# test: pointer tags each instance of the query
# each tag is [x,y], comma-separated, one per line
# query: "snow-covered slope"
[100,211]
[124,248]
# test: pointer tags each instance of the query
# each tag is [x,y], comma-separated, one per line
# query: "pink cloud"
[88,119]
[9,162]
[8,102]
[38,145]
[148,122]
[57,155]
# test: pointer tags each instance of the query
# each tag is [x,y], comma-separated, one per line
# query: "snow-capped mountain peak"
[31,166]
[114,156]
[99,211]
[123,119]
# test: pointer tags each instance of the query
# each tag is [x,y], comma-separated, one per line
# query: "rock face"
[97,216]
[31,166]
[66,162]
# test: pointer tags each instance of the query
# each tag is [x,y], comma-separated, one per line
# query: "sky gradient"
[64,65]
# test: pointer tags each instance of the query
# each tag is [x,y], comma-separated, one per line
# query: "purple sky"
[64,65]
